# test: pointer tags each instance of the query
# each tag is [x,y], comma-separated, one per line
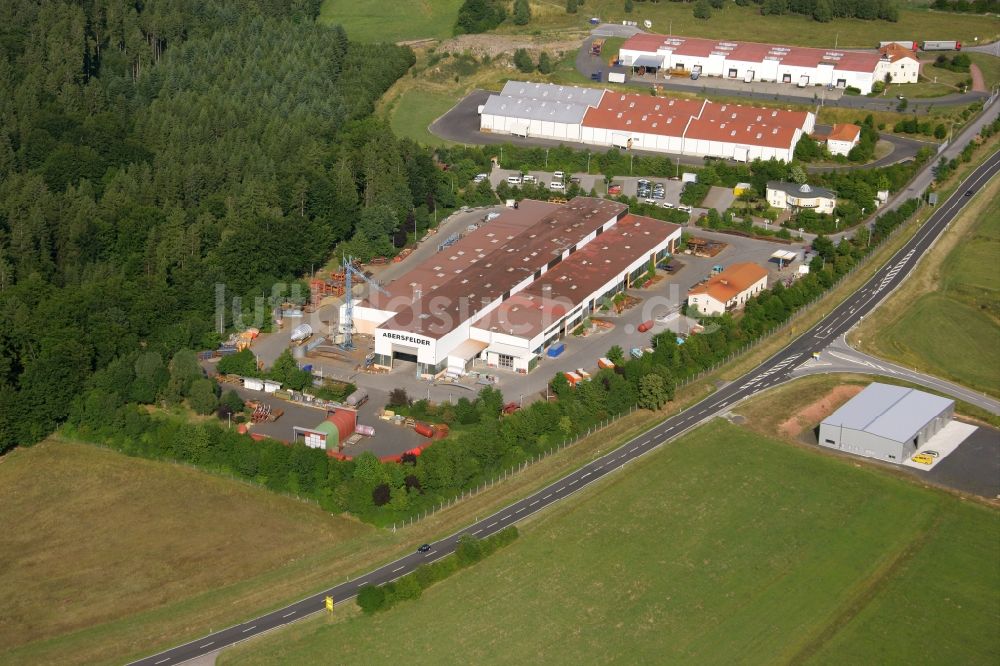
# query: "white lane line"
[288,614]
[560,489]
[397,569]
[505,517]
[490,525]
[533,503]
[644,443]
[547,496]
[206,645]
[430,553]
[477,531]
[585,475]
[572,482]
[249,628]
[162,661]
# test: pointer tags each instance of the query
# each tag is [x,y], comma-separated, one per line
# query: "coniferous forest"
[150,150]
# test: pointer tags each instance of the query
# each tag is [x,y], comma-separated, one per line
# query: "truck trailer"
[941,46]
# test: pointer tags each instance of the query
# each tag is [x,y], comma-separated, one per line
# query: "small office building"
[886,422]
[798,197]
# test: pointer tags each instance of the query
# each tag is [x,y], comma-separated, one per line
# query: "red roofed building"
[729,290]
[900,62]
[842,138]
[752,61]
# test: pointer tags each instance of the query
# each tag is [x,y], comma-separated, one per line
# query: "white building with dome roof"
[800,197]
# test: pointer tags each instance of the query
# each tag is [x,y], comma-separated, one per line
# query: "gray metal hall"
[886,422]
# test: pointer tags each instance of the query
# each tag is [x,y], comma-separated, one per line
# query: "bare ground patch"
[818,410]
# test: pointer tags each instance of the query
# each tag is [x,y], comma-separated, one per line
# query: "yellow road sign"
[329,604]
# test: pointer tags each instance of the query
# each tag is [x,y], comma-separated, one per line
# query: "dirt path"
[815,412]
[978,82]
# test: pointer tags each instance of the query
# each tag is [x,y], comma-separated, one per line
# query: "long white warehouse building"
[512,287]
[752,61]
[630,121]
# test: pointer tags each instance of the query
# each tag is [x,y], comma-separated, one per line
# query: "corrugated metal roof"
[532,108]
[553,92]
[893,412]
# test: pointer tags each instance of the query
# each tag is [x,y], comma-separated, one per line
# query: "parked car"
[528,178]
[574,179]
[686,209]
[513,180]
[615,189]
[556,185]
[424,548]
[651,202]
[480,177]
[559,175]
[923,459]
[667,204]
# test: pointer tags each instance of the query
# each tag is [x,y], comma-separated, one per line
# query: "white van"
[513,180]
[559,175]
[528,178]
[556,185]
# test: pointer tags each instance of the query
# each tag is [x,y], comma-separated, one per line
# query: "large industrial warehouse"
[886,422]
[751,61]
[513,286]
[685,127]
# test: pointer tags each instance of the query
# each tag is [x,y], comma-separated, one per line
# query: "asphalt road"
[775,370]
[841,357]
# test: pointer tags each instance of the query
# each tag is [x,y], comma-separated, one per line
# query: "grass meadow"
[724,547]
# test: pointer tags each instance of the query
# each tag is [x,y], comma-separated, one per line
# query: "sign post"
[329,604]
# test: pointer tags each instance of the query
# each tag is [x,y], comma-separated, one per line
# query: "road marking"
[547,496]
[560,489]
[163,660]
[585,475]
[644,443]
[397,569]
[490,525]
[249,628]
[505,517]
[206,645]
[519,510]
[573,481]
[430,553]
[288,614]
[533,503]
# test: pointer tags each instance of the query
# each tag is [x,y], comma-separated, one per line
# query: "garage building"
[886,422]
[511,287]
[752,61]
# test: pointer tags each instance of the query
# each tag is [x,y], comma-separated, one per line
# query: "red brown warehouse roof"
[452,285]
[854,61]
[562,288]
[731,282]
[696,119]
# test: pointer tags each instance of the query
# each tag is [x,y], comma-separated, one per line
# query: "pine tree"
[522,12]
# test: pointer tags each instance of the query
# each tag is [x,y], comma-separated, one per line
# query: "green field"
[746,23]
[416,108]
[377,21]
[725,547]
[373,21]
[104,554]
[950,326]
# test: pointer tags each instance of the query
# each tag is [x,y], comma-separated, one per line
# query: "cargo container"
[424,429]
[645,326]
[556,349]
[941,46]
[616,77]
[907,44]
[605,363]
[357,398]
[366,430]
[572,378]
[584,375]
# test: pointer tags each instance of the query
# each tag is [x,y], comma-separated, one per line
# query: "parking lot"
[973,467]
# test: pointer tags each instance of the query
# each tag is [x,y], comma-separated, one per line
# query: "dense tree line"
[967,6]
[149,151]
[820,10]
[480,16]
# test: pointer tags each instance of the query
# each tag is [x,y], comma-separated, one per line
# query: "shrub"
[371,599]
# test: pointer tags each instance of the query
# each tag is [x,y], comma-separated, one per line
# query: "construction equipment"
[596,46]
[350,272]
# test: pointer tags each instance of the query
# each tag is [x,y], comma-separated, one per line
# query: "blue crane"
[347,325]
